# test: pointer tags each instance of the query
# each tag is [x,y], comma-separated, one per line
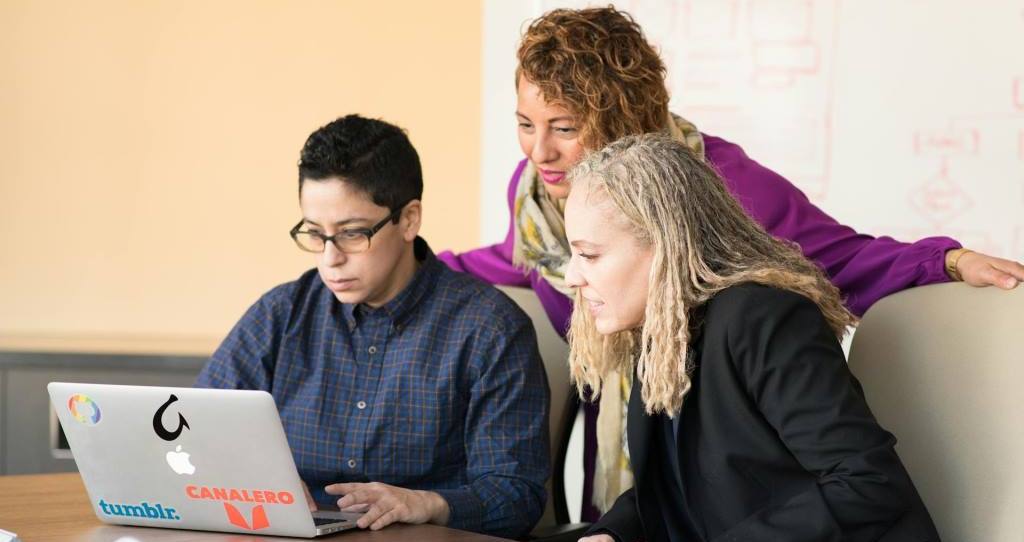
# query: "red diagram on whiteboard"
[1018,93]
[783,45]
[945,142]
[711,20]
[757,72]
[940,200]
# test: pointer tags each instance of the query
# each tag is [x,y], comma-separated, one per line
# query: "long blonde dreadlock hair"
[703,242]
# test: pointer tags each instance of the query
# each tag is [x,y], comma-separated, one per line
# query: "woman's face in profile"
[609,266]
[549,137]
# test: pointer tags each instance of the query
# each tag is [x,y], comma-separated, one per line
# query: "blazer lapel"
[638,432]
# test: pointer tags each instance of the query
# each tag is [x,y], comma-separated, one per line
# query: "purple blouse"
[864,268]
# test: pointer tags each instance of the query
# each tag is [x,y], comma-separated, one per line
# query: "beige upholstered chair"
[554,525]
[943,369]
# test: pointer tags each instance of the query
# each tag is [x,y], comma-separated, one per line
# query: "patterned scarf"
[540,240]
[541,245]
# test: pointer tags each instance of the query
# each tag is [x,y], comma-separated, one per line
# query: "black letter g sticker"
[158,424]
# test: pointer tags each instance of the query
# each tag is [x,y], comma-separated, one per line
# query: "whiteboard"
[897,117]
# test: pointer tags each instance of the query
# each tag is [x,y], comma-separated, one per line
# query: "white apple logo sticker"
[178,460]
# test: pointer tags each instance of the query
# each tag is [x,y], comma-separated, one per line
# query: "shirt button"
[361,405]
[373,350]
[351,463]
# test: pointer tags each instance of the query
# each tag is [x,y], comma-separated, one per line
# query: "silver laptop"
[184,458]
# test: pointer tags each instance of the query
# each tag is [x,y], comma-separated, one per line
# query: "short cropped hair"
[371,154]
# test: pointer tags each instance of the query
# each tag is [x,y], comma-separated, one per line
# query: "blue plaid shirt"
[440,389]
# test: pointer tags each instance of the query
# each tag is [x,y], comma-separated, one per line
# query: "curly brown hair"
[596,63]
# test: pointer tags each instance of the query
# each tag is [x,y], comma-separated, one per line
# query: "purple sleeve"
[493,264]
[863,267]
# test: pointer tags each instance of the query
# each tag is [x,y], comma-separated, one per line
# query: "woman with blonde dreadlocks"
[744,421]
[588,77]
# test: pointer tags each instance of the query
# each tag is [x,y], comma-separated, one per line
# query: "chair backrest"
[564,402]
[942,368]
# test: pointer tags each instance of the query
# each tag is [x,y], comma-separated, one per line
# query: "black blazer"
[775,441]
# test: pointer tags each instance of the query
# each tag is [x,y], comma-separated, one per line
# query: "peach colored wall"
[148,150]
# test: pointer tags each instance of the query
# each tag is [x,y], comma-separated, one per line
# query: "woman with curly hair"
[588,77]
[744,421]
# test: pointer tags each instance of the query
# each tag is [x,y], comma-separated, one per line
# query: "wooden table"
[56,507]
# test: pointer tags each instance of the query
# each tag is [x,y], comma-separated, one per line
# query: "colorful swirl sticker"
[84,409]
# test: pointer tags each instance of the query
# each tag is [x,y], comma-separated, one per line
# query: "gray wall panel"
[26,413]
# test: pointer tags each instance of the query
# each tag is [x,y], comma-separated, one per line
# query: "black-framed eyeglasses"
[349,241]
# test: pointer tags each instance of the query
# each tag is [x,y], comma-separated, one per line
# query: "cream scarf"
[541,245]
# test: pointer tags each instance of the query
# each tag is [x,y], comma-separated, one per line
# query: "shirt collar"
[400,308]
